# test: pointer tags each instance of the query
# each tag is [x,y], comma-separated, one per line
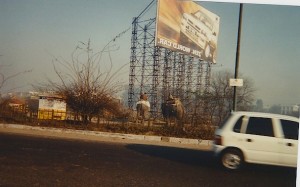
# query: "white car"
[259,138]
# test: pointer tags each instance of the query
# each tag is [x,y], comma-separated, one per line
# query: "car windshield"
[224,121]
[204,19]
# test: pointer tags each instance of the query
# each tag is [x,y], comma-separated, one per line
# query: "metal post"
[237,57]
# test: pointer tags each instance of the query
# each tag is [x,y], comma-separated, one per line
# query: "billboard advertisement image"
[187,27]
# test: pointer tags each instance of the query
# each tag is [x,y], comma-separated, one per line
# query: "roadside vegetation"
[89,87]
[123,123]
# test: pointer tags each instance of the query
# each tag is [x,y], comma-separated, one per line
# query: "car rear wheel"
[232,159]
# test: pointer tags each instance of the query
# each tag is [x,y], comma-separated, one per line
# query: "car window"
[260,126]
[290,129]
[238,125]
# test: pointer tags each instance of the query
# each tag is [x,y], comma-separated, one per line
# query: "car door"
[289,143]
[260,142]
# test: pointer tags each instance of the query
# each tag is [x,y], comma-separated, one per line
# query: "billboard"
[187,27]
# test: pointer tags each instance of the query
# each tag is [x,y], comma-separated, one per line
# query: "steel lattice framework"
[159,72]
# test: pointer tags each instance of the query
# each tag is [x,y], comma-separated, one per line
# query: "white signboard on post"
[236,82]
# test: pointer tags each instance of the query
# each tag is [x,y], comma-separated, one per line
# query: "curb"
[113,135]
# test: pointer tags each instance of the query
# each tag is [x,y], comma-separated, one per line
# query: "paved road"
[48,161]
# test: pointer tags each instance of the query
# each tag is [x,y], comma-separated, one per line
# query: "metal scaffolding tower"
[159,72]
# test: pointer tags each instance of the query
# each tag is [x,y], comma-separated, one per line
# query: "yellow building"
[52,107]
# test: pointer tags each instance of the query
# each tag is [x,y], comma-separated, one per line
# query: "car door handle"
[289,144]
[249,140]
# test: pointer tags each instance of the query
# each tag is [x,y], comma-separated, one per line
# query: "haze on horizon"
[33,32]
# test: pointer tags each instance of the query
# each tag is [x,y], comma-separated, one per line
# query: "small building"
[52,107]
[290,109]
[17,104]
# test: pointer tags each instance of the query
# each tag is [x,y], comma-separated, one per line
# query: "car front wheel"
[232,159]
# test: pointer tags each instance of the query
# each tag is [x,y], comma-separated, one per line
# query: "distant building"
[17,104]
[290,109]
[52,107]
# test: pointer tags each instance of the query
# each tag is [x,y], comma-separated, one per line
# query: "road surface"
[27,160]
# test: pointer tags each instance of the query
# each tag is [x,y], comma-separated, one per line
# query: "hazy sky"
[31,31]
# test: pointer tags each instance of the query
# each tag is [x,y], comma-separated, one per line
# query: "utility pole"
[237,57]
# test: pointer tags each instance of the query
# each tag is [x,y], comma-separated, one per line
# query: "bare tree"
[5,78]
[87,84]
[220,96]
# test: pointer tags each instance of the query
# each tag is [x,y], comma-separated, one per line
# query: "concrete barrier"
[113,135]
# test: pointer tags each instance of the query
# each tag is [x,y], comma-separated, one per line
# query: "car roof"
[262,114]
